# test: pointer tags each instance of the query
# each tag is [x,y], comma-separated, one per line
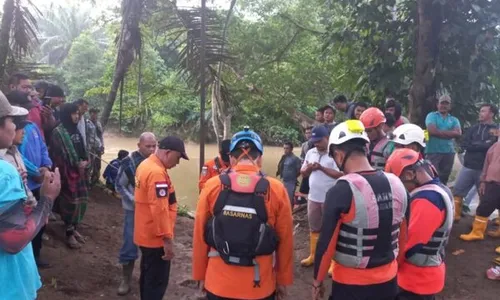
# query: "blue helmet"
[246,135]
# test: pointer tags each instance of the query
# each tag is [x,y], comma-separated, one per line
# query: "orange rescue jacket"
[155,204]
[237,282]
[211,169]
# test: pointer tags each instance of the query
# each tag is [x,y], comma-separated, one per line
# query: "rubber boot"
[497,260]
[497,221]
[313,243]
[478,229]
[124,287]
[458,208]
[497,250]
[330,270]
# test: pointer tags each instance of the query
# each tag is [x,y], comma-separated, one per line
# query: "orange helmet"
[400,159]
[372,117]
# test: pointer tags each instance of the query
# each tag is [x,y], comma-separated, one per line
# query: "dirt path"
[93,272]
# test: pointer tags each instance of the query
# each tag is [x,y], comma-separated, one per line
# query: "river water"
[185,175]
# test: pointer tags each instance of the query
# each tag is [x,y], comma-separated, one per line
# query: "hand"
[482,189]
[318,291]
[46,112]
[281,292]
[201,294]
[168,248]
[316,166]
[51,185]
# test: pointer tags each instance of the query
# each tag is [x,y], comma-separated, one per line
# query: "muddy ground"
[93,272]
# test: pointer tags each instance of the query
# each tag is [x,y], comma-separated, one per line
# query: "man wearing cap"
[215,166]
[322,172]
[19,223]
[155,215]
[35,157]
[95,142]
[443,128]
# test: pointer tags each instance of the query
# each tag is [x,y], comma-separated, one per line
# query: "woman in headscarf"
[71,157]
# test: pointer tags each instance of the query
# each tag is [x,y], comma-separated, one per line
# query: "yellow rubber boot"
[313,243]
[497,250]
[330,270]
[478,229]
[458,208]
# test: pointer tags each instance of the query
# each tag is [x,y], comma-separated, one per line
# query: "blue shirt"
[439,145]
[33,148]
[19,278]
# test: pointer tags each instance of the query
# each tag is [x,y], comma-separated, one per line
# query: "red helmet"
[400,159]
[372,117]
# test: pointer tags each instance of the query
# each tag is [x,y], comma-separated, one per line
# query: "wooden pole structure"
[202,83]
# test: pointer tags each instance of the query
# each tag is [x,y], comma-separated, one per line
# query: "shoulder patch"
[161,189]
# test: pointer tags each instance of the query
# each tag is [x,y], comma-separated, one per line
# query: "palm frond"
[184,30]
[24,29]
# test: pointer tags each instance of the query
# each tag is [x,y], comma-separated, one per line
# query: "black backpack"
[238,229]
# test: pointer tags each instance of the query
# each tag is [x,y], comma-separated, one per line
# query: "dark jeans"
[490,200]
[211,296]
[406,295]
[129,251]
[37,240]
[382,291]
[443,162]
[155,273]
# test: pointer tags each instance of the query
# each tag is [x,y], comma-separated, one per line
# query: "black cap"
[175,144]
[54,91]
[20,122]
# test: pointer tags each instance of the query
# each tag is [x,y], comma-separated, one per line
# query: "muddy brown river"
[185,175]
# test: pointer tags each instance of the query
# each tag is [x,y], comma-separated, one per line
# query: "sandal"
[72,242]
[80,238]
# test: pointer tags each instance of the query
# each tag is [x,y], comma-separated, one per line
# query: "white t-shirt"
[319,182]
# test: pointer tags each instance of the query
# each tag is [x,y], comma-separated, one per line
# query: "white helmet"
[346,131]
[409,133]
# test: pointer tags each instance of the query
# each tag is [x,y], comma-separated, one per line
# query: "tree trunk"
[215,116]
[423,89]
[127,46]
[7,18]
[227,127]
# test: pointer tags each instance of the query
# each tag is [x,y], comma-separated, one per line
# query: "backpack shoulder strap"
[260,193]
[224,193]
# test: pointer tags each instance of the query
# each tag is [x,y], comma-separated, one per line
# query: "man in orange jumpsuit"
[155,215]
[421,272]
[215,166]
[240,217]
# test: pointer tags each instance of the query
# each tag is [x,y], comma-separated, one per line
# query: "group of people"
[379,211]
[55,150]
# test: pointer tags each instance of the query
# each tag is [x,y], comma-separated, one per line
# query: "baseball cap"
[445,98]
[8,110]
[318,133]
[175,144]
[54,91]
[21,99]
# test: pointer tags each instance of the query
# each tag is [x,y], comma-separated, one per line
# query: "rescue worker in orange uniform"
[240,217]
[374,119]
[155,215]
[422,270]
[215,166]
[363,215]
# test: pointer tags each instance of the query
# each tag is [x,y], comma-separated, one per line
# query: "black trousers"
[36,243]
[155,273]
[382,291]
[406,295]
[490,200]
[304,185]
[211,296]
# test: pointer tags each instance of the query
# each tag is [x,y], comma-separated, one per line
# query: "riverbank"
[93,272]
